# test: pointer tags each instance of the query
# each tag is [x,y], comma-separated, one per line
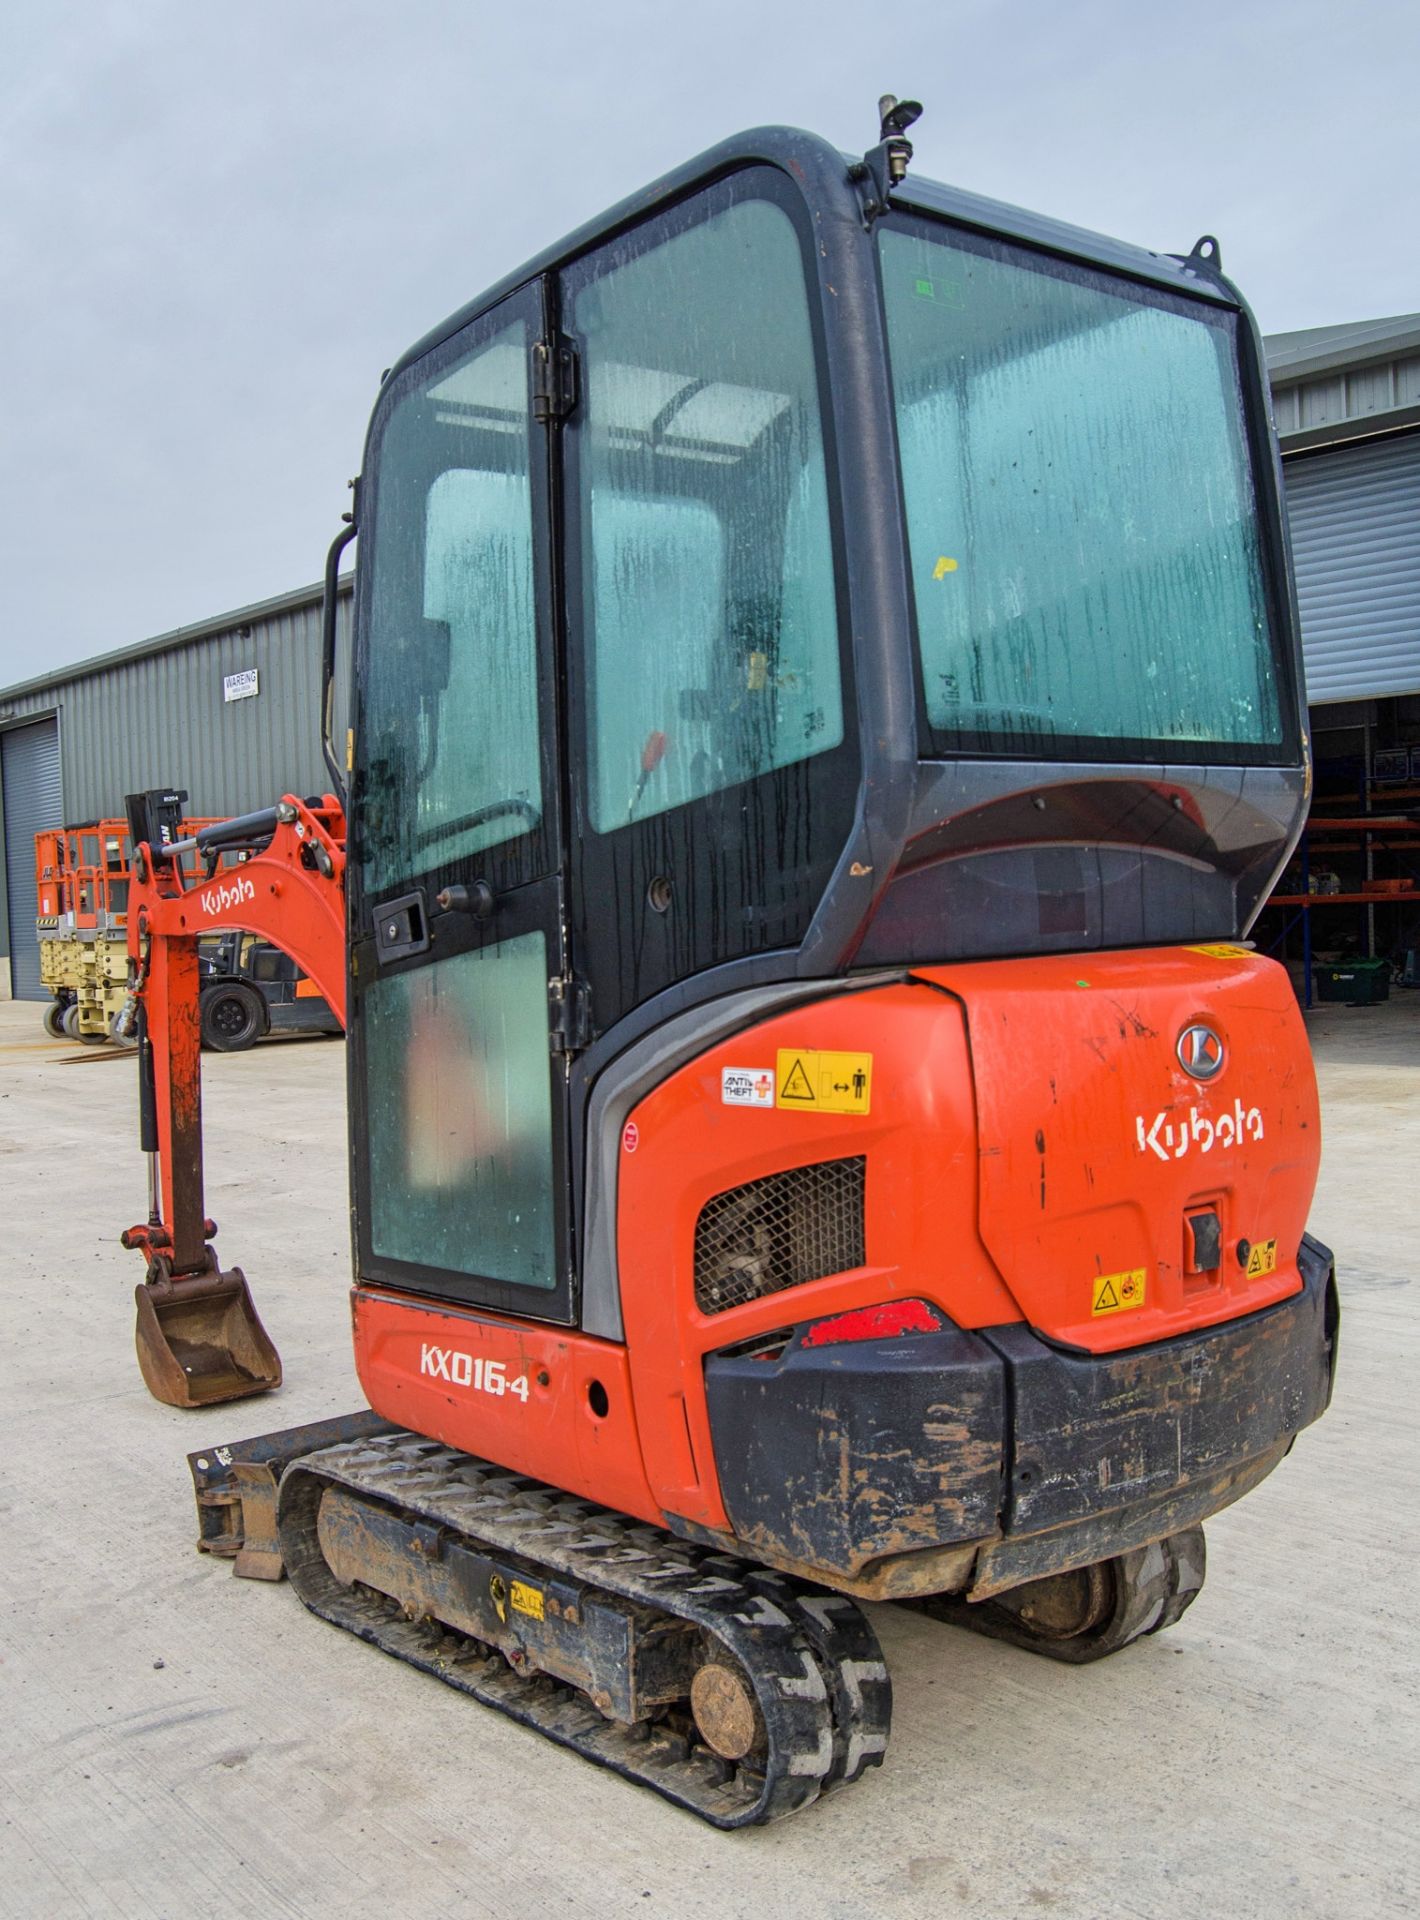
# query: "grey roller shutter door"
[29,766]
[1355,521]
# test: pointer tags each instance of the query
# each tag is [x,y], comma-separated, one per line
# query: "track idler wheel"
[1091,1611]
[726,1714]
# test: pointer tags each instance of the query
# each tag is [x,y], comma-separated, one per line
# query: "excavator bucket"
[200,1341]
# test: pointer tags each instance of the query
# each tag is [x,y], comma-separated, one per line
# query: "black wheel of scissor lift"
[121,1036]
[233,1017]
[739,1695]
[69,1026]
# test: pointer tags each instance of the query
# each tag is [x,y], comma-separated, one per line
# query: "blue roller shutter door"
[29,766]
[1355,521]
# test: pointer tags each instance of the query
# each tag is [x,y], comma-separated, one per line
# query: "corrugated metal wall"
[161,720]
[1355,520]
[1347,393]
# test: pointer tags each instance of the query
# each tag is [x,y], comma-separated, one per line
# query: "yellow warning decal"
[1262,1259]
[1224,952]
[943,567]
[525,1599]
[824,1082]
[1118,1292]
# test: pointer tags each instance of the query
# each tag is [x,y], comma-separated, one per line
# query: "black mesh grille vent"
[779,1232]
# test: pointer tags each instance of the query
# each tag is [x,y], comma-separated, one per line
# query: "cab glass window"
[460,1115]
[450,764]
[711,622]
[1082,527]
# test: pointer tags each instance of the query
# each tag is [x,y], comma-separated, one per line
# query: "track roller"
[1090,1611]
[739,1694]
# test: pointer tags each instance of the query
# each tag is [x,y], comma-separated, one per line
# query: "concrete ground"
[174,1742]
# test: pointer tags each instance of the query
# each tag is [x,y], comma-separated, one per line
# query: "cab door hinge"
[554,378]
[570,1005]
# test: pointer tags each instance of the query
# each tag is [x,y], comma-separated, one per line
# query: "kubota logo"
[1200,1052]
[1171,1139]
[218,900]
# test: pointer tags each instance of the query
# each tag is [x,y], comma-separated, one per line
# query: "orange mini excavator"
[826,714]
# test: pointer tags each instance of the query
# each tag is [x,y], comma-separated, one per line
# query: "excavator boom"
[199,1337]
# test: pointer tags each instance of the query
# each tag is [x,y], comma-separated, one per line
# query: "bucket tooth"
[200,1340]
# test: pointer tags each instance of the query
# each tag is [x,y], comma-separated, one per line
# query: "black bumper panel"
[1097,1432]
[841,1456]
[838,1455]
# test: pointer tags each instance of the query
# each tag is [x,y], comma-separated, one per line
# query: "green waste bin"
[1354,983]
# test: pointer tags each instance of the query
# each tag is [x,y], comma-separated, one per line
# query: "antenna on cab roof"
[884,166]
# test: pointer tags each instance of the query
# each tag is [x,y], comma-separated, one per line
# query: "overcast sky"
[219,223]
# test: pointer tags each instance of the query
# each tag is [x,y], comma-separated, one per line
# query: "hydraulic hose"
[148,1113]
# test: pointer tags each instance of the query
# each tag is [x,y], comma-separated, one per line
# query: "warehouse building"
[1347,406]
[230,709]
[1347,403]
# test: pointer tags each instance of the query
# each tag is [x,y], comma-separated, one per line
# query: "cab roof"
[822,173]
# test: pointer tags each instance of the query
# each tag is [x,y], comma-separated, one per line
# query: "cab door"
[713,768]
[458,1090]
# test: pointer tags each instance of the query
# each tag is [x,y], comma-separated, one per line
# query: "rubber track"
[1154,1587]
[817,1670]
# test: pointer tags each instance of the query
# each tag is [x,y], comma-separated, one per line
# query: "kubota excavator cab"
[827,713]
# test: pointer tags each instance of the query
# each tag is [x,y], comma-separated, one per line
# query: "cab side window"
[710,623]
